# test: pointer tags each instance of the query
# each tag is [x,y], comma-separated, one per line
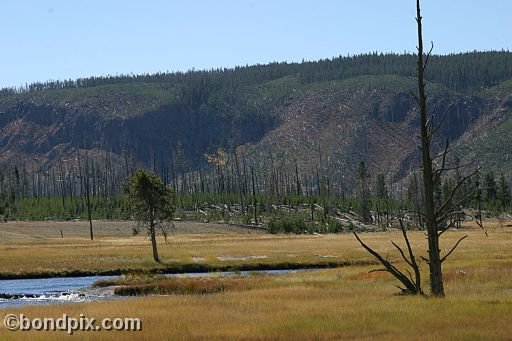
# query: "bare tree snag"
[412,286]
[254,201]
[85,184]
[435,217]
[436,275]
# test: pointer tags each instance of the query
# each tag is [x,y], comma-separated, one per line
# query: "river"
[19,292]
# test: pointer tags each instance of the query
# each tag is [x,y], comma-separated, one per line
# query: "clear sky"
[62,39]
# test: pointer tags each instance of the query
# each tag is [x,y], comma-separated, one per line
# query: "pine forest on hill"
[277,145]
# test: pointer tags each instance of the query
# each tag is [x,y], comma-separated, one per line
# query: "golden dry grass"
[344,303]
[115,249]
[186,286]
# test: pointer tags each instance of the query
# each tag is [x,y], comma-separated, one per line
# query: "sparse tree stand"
[151,202]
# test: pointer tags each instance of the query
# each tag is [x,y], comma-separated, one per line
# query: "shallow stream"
[18,292]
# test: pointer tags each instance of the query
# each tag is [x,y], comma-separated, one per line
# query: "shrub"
[334,226]
[288,225]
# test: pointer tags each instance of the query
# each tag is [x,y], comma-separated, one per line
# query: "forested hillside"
[315,118]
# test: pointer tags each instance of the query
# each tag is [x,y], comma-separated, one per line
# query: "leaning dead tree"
[411,286]
[437,218]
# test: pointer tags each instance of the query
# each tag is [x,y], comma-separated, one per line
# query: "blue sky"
[61,39]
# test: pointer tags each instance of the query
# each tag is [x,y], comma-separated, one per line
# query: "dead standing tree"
[435,217]
[364,193]
[86,188]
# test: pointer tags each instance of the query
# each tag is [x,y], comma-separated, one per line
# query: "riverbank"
[35,253]
[36,250]
[184,269]
[341,303]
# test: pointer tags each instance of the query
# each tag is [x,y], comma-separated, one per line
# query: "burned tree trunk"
[254,201]
[435,217]
[436,275]
[87,186]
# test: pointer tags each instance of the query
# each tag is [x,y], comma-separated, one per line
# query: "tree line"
[463,71]
[233,183]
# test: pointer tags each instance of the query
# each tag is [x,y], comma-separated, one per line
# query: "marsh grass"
[335,304]
[324,304]
[119,252]
[184,286]
[116,251]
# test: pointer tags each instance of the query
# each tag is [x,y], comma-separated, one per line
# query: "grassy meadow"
[343,303]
